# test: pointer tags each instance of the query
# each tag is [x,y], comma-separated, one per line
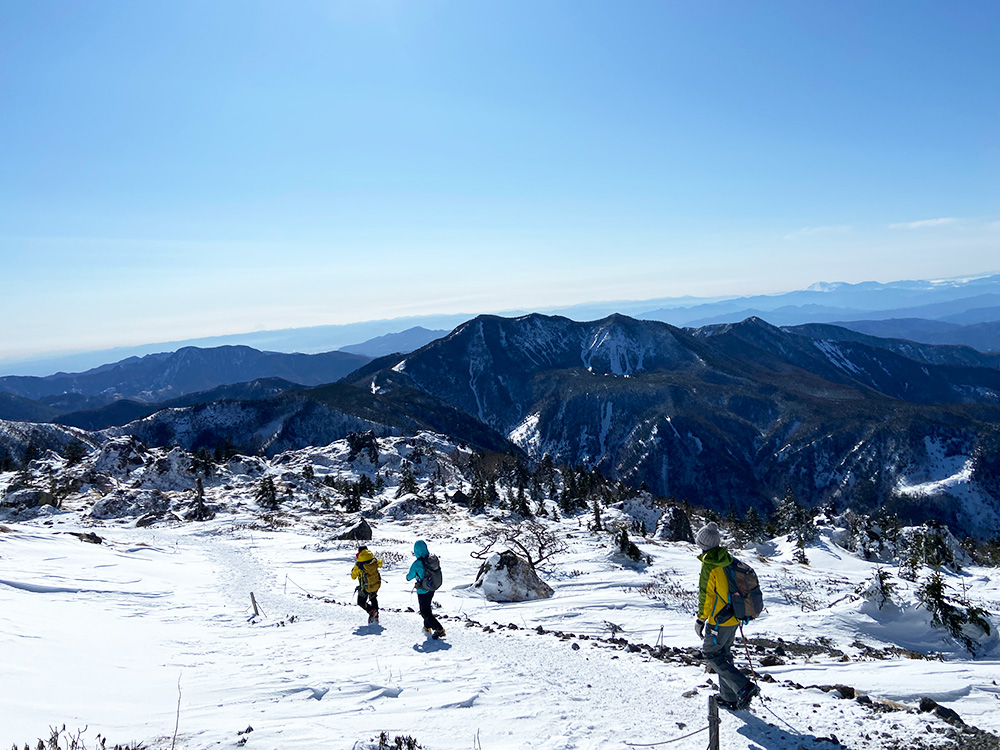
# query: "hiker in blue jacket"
[715,625]
[424,595]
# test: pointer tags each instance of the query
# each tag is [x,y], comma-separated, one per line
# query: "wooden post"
[713,723]
[253,601]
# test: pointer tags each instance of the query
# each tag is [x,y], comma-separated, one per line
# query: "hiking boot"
[372,617]
[439,633]
[746,695]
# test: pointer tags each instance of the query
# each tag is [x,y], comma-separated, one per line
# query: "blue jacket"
[417,568]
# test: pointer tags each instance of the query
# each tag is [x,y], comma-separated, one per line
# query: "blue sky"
[186,169]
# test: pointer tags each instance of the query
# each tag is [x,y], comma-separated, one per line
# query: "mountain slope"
[124,411]
[159,377]
[728,416]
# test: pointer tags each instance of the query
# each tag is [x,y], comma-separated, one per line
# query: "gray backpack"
[431,579]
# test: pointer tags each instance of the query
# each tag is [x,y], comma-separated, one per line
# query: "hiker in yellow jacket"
[716,624]
[366,568]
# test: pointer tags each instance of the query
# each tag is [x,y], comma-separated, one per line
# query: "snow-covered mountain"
[730,416]
[123,621]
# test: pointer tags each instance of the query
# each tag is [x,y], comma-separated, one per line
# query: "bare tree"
[528,539]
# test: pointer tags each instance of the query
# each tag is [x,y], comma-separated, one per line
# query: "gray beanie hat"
[709,536]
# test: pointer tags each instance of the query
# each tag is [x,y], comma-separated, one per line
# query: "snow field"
[101,636]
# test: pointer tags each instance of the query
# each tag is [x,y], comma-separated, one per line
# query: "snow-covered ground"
[149,634]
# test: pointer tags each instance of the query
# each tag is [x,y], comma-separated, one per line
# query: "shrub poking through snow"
[879,589]
[958,618]
[626,546]
[399,742]
[62,739]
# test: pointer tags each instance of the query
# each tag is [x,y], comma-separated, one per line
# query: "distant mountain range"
[161,377]
[729,416]
[968,301]
[395,343]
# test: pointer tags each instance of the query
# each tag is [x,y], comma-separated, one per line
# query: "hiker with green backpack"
[721,612]
[366,569]
[426,574]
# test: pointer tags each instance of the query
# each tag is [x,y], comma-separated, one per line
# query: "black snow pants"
[430,621]
[368,600]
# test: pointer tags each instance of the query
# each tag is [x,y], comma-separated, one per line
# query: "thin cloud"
[814,231]
[925,224]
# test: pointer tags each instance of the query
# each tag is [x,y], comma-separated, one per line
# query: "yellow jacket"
[367,570]
[713,587]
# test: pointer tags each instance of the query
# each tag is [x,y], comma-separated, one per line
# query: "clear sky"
[178,169]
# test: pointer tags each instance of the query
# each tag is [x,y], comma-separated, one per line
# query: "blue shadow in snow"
[772,737]
[431,645]
[373,629]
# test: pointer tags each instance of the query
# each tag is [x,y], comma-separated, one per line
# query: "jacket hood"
[365,555]
[717,557]
[420,548]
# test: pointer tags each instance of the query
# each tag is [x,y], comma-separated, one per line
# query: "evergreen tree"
[597,516]
[520,503]
[753,525]
[267,493]
[352,497]
[75,452]
[31,453]
[199,510]
[952,615]
[407,481]
[799,555]
[790,517]
[366,487]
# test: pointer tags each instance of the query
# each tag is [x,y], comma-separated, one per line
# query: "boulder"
[27,498]
[505,577]
[130,502]
[360,530]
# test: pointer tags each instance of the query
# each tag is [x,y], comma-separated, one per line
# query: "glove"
[699,627]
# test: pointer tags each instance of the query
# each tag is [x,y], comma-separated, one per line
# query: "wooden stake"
[253,601]
[713,723]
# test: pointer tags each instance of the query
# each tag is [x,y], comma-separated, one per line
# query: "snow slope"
[151,630]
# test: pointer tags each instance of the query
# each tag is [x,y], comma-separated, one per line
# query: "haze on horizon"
[190,170]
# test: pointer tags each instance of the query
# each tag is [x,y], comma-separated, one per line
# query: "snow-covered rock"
[674,526]
[121,504]
[505,577]
[26,498]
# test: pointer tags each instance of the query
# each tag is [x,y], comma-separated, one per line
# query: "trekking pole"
[753,674]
